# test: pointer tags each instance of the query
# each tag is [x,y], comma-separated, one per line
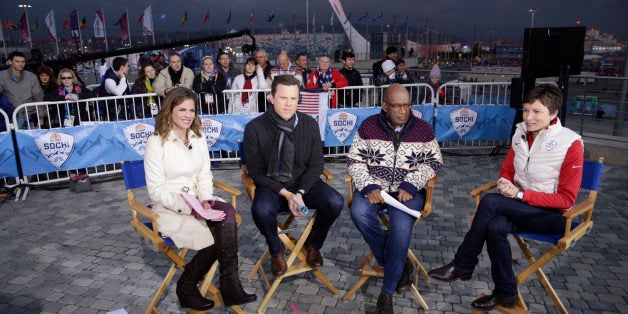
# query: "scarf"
[62,92]
[282,153]
[148,83]
[207,76]
[324,78]
[175,76]
[248,84]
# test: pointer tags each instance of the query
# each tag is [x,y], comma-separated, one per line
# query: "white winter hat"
[435,71]
[388,65]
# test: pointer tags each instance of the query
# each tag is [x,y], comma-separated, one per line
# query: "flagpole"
[128,26]
[4,42]
[79,30]
[104,27]
[152,24]
[56,35]
[307,26]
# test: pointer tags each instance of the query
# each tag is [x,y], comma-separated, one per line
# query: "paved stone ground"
[77,253]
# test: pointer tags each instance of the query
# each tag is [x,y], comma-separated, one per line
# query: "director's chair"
[591,174]
[369,267]
[296,260]
[133,172]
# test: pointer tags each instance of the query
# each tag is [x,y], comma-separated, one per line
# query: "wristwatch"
[520,195]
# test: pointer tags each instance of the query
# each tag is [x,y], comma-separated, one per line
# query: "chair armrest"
[227,188]
[484,188]
[580,208]
[143,210]
[328,175]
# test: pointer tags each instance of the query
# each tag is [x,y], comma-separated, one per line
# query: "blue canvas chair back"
[591,174]
[133,172]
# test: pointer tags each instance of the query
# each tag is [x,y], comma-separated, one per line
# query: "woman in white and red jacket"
[539,181]
[324,78]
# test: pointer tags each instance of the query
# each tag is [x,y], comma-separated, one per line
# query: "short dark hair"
[286,79]
[300,54]
[16,54]
[347,54]
[400,60]
[118,62]
[251,59]
[223,53]
[549,95]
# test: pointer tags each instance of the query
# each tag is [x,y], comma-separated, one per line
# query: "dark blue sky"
[496,19]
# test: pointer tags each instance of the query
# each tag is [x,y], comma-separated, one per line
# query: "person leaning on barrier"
[387,75]
[251,78]
[324,77]
[539,181]
[227,68]
[301,62]
[21,87]
[350,98]
[145,84]
[71,113]
[47,80]
[176,160]
[391,54]
[208,85]
[284,66]
[114,84]
[284,157]
[396,152]
[173,76]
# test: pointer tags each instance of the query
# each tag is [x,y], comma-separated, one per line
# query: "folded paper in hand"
[210,214]
[395,203]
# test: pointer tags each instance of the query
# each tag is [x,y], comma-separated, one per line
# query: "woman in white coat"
[177,159]
[251,78]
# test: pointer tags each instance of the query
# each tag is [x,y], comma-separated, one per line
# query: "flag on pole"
[379,17]
[348,18]
[99,24]
[124,26]
[251,18]
[331,19]
[35,25]
[271,17]
[206,18]
[161,18]
[8,25]
[184,18]
[74,24]
[83,24]
[314,20]
[147,21]
[65,24]
[364,16]
[25,35]
[140,20]
[228,18]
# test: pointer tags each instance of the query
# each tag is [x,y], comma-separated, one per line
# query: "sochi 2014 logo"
[137,134]
[212,129]
[56,147]
[463,120]
[342,124]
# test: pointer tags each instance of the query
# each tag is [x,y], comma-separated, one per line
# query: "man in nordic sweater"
[396,152]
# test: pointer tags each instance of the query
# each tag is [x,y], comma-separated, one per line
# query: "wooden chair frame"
[294,246]
[140,211]
[369,267]
[560,243]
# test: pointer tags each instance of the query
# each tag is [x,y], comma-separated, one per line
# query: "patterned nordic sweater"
[380,158]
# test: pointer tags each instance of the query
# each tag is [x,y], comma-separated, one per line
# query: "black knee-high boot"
[187,285]
[226,240]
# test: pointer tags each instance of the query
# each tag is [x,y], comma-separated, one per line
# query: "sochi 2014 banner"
[222,132]
[8,165]
[342,124]
[473,123]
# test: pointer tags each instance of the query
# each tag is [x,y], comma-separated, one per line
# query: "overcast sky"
[496,19]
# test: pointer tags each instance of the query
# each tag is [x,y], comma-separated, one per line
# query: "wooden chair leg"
[355,287]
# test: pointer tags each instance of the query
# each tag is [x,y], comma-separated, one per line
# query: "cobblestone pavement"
[77,253]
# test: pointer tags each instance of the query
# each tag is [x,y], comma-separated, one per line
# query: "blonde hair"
[74,79]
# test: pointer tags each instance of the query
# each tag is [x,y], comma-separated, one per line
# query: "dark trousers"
[496,217]
[266,204]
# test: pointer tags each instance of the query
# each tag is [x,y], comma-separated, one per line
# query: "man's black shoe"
[449,273]
[385,304]
[406,278]
[489,302]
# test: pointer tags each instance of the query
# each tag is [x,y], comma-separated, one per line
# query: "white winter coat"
[258,82]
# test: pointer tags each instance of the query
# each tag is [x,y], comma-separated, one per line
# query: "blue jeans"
[389,248]
[266,204]
[496,217]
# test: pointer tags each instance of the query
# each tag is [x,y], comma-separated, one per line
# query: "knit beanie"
[435,71]
[388,65]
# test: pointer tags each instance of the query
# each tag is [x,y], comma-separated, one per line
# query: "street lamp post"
[532,11]
[26,6]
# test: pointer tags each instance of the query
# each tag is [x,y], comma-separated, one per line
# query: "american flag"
[309,103]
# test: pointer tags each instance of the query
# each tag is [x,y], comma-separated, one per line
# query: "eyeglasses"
[66,77]
[399,106]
